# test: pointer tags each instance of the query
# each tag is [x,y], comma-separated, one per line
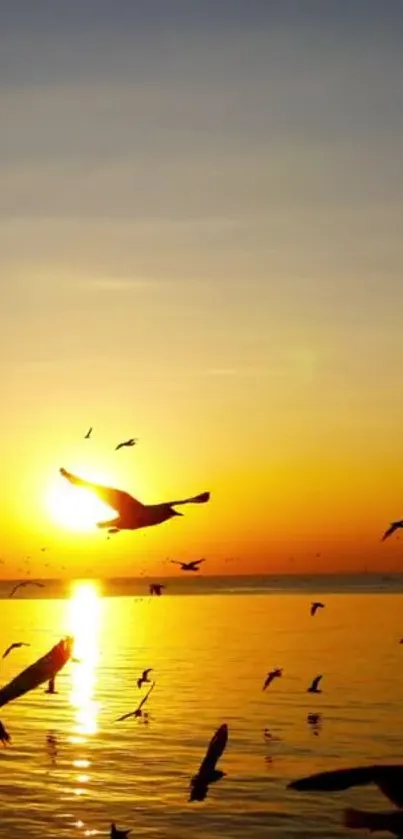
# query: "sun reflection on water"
[84,617]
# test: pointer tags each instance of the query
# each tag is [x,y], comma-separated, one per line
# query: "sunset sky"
[201,245]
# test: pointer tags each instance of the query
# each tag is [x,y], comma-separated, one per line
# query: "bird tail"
[363,820]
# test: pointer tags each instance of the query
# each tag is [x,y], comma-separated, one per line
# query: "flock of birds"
[131,514]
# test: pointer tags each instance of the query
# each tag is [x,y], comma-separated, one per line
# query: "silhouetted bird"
[14,647]
[189,566]
[208,773]
[314,686]
[118,834]
[388,779]
[128,443]
[25,583]
[315,606]
[394,526]
[138,712]
[156,588]
[51,686]
[273,674]
[4,735]
[88,434]
[144,677]
[131,513]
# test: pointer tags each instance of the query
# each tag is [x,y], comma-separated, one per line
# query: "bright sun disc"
[76,508]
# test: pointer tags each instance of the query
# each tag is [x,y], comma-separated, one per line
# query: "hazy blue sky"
[201,242]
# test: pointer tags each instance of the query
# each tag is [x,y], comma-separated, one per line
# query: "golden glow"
[76,508]
[84,624]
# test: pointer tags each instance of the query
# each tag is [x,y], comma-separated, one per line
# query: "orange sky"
[201,246]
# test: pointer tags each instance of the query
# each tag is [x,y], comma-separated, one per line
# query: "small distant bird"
[138,712]
[314,686]
[144,677]
[88,434]
[128,443]
[14,647]
[315,606]
[189,566]
[208,773]
[273,674]
[156,588]
[395,525]
[25,583]
[51,686]
[118,834]
[132,515]
[388,779]
[4,735]
[43,550]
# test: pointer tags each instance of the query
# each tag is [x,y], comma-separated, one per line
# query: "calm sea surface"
[71,769]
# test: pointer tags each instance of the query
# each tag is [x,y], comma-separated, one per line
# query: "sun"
[76,508]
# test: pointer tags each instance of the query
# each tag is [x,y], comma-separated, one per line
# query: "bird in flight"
[273,674]
[144,677]
[14,647]
[388,779]
[25,583]
[314,686]
[208,773]
[156,588]
[118,834]
[189,566]
[138,712]
[395,525]
[127,443]
[132,514]
[88,434]
[315,606]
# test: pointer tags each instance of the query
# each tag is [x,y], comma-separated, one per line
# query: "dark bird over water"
[388,779]
[273,674]
[127,443]
[118,834]
[88,434]
[132,514]
[14,647]
[25,583]
[314,686]
[189,566]
[144,677]
[315,606]
[156,588]
[138,712]
[208,773]
[394,526]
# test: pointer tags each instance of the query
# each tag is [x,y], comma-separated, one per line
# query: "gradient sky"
[201,244]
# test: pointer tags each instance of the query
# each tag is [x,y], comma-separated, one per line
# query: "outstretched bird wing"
[8,650]
[316,681]
[196,499]
[394,526]
[146,672]
[215,749]
[118,500]
[144,699]
[126,716]
[197,562]
[16,587]
[389,779]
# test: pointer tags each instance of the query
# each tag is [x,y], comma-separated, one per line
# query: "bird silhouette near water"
[132,514]
[138,712]
[273,674]
[144,677]
[14,646]
[127,444]
[395,525]
[208,774]
[88,434]
[315,606]
[388,779]
[189,566]
[314,687]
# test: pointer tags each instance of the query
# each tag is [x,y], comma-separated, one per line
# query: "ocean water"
[71,769]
